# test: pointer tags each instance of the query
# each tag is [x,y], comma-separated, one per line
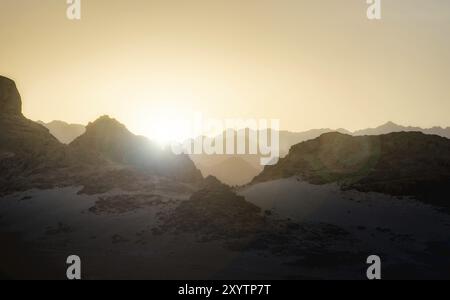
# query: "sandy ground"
[39,229]
[114,234]
[406,232]
[328,203]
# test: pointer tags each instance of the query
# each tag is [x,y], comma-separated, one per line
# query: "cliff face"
[10,101]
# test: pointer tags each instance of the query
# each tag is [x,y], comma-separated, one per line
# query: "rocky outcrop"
[404,163]
[214,211]
[10,101]
[23,139]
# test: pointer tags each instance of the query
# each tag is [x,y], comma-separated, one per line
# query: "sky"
[310,64]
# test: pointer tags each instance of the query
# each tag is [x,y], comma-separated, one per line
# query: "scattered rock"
[120,204]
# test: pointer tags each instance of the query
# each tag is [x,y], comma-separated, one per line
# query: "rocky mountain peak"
[212,183]
[10,101]
[106,124]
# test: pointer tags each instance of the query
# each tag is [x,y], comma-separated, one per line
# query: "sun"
[167,125]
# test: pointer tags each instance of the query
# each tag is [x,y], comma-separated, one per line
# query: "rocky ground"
[173,231]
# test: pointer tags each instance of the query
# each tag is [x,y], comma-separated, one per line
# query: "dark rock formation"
[28,152]
[10,101]
[23,143]
[215,211]
[405,163]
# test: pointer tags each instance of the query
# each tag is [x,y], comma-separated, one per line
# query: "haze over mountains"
[241,169]
[390,127]
[63,131]
[233,170]
[66,133]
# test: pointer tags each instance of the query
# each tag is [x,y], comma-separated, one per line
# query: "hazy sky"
[312,64]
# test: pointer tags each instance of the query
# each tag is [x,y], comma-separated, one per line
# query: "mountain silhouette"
[63,131]
[111,140]
[239,169]
[391,127]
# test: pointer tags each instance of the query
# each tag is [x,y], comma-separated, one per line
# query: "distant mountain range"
[241,169]
[390,127]
[63,131]
[66,132]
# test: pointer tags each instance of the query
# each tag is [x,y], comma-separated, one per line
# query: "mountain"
[63,131]
[404,163]
[111,140]
[390,127]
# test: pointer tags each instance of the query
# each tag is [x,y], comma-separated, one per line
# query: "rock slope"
[404,164]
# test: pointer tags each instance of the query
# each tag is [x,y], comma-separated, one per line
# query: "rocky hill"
[111,140]
[405,163]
